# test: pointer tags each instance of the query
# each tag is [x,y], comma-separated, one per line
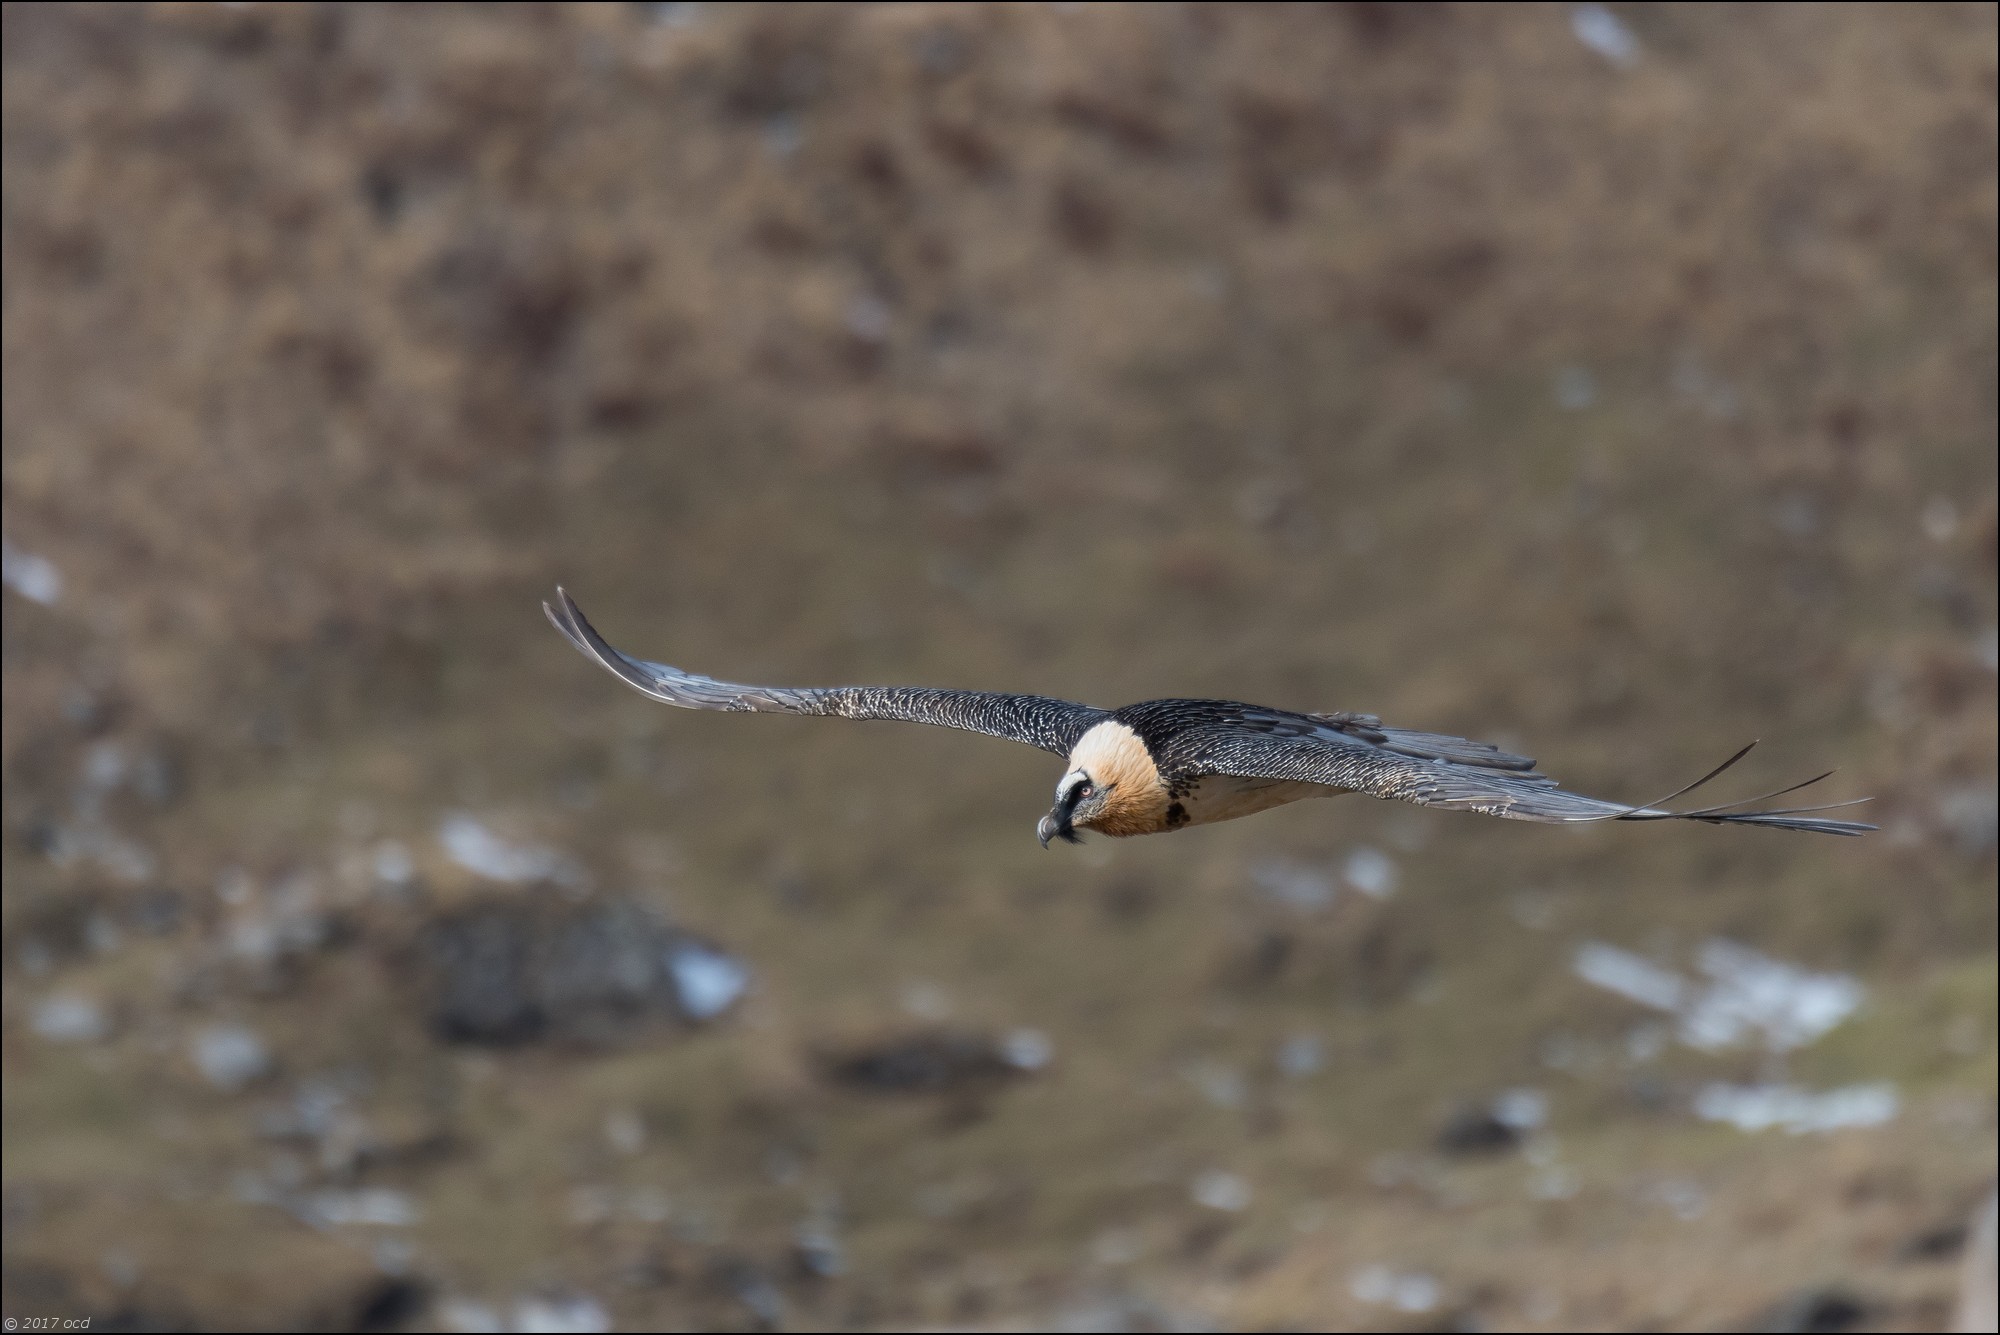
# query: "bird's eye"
[1085,790]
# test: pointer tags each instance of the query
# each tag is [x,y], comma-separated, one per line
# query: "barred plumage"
[1163,764]
[1052,725]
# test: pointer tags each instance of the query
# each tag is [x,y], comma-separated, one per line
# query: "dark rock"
[1814,1310]
[484,989]
[1476,1130]
[58,924]
[391,1303]
[922,1063]
[159,775]
[157,912]
[505,972]
[746,1282]
[1941,1243]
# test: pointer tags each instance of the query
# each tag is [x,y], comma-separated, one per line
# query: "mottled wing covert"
[1038,720]
[1356,753]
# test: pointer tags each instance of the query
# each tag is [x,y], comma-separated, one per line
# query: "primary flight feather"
[1164,764]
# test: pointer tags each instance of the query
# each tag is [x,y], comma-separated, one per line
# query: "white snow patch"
[575,1315]
[1221,1191]
[1748,995]
[70,1017]
[1521,1109]
[706,981]
[1605,33]
[1027,1049]
[376,1206]
[1371,871]
[1761,1107]
[33,577]
[1296,884]
[1301,1055]
[1755,994]
[473,846]
[1406,1291]
[1633,977]
[229,1056]
[393,865]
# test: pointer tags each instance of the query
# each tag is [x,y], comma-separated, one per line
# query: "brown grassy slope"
[1109,352]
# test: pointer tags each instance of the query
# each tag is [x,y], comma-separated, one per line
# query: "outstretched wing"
[1052,725]
[1355,752]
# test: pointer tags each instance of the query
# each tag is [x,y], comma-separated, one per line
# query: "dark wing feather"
[1052,725]
[1422,745]
[1256,743]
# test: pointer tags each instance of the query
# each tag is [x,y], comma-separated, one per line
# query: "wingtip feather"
[563,624]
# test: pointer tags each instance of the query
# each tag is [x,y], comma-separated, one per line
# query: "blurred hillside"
[1614,386]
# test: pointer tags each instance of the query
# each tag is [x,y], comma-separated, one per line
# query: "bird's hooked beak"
[1072,794]
[1056,825]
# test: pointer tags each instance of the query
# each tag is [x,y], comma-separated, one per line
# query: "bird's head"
[1080,801]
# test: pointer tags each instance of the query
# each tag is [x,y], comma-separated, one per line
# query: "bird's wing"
[1052,725]
[1355,752]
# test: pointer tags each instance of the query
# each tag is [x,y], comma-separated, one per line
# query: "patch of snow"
[229,1056]
[1761,1107]
[392,863]
[1221,1191]
[673,13]
[706,981]
[573,1315]
[1370,871]
[1748,995]
[473,846]
[1755,994]
[1633,977]
[33,577]
[1301,1055]
[1405,1291]
[379,1207]
[1293,883]
[1027,1049]
[70,1017]
[1605,33]
[1521,1109]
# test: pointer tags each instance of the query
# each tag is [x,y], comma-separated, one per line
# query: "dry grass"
[1104,351]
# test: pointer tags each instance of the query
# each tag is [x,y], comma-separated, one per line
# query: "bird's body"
[1163,765]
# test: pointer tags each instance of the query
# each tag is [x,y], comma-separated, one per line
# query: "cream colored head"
[1112,786]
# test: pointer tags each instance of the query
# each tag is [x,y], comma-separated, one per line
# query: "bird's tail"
[1727,813]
